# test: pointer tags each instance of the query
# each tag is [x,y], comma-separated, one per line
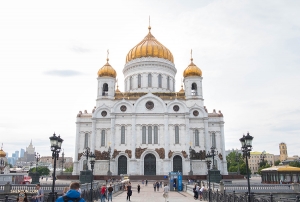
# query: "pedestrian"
[174,186]
[72,195]
[157,186]
[39,194]
[146,182]
[129,191]
[166,192]
[160,184]
[195,192]
[46,179]
[110,190]
[201,192]
[154,186]
[22,197]
[138,188]
[143,182]
[103,193]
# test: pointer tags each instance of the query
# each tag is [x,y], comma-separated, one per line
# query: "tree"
[42,170]
[234,162]
[277,162]
[69,170]
[295,164]
[243,170]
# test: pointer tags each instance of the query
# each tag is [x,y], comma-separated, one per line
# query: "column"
[167,138]
[93,136]
[112,135]
[133,136]
[206,135]
[188,139]
[222,143]
[77,143]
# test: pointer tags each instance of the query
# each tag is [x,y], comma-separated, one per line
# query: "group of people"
[198,192]
[157,185]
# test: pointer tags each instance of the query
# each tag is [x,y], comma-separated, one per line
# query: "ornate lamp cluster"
[210,157]
[37,158]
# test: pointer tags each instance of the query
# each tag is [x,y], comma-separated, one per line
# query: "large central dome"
[149,47]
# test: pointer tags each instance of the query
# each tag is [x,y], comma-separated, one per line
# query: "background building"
[255,159]
[283,151]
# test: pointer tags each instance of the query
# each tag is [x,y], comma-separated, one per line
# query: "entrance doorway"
[149,165]
[122,165]
[177,164]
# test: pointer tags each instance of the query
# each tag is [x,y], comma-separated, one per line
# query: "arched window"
[149,80]
[168,83]
[213,140]
[105,89]
[176,135]
[159,81]
[194,89]
[196,137]
[139,81]
[86,140]
[155,135]
[144,135]
[130,83]
[123,135]
[149,135]
[103,138]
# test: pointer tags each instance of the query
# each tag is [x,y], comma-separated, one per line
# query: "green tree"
[295,164]
[263,166]
[69,170]
[243,170]
[42,170]
[277,162]
[234,161]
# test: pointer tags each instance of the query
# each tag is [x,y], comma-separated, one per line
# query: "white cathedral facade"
[149,127]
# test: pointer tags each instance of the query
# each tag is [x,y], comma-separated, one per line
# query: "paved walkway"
[147,194]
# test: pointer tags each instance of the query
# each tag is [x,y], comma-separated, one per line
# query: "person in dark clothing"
[72,194]
[146,182]
[154,186]
[157,186]
[129,191]
[138,188]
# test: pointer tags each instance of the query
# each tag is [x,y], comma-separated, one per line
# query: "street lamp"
[208,162]
[37,158]
[262,158]
[191,170]
[62,162]
[55,142]
[86,152]
[237,158]
[92,162]
[109,172]
[246,142]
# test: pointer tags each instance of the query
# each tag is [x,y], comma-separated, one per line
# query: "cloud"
[80,49]
[63,73]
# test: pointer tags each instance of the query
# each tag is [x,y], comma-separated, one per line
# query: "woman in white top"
[166,192]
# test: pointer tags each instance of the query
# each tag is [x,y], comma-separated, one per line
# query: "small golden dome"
[107,70]
[2,153]
[149,47]
[192,70]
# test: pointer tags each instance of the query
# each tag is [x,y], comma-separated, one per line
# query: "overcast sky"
[248,51]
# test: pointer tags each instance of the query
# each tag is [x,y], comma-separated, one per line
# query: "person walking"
[157,186]
[72,195]
[138,188]
[143,182]
[110,190]
[39,194]
[201,192]
[166,192]
[146,182]
[154,186]
[129,191]
[103,193]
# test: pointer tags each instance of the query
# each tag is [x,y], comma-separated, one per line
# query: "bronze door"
[177,164]
[122,165]
[150,165]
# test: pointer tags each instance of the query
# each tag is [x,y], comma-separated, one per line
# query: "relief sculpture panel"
[139,151]
[161,152]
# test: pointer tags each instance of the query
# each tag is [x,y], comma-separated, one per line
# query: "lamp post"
[109,172]
[62,162]
[37,158]
[246,142]
[86,152]
[92,162]
[237,158]
[191,169]
[208,162]
[55,142]
[262,158]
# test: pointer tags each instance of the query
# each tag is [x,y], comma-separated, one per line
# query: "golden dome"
[2,153]
[149,47]
[192,70]
[107,70]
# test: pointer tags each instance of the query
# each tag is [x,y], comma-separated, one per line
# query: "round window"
[149,105]
[176,108]
[123,108]
[104,113]
[195,113]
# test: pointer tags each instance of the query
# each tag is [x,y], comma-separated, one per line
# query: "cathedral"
[149,128]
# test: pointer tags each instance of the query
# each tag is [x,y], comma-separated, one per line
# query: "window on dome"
[130,83]
[86,140]
[213,140]
[159,81]
[139,81]
[123,135]
[149,134]
[105,89]
[196,137]
[176,135]
[144,135]
[149,80]
[103,138]
[194,89]
[168,83]
[155,135]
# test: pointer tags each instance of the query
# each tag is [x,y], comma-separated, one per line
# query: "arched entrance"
[177,163]
[149,165]
[122,165]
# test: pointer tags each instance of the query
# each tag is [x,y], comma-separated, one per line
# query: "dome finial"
[191,55]
[149,27]
[107,59]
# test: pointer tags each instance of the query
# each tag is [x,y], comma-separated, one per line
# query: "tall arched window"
[155,135]
[144,135]
[86,140]
[105,89]
[149,134]
[159,81]
[194,89]
[139,81]
[130,83]
[213,140]
[123,135]
[176,135]
[168,83]
[196,137]
[149,80]
[103,138]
